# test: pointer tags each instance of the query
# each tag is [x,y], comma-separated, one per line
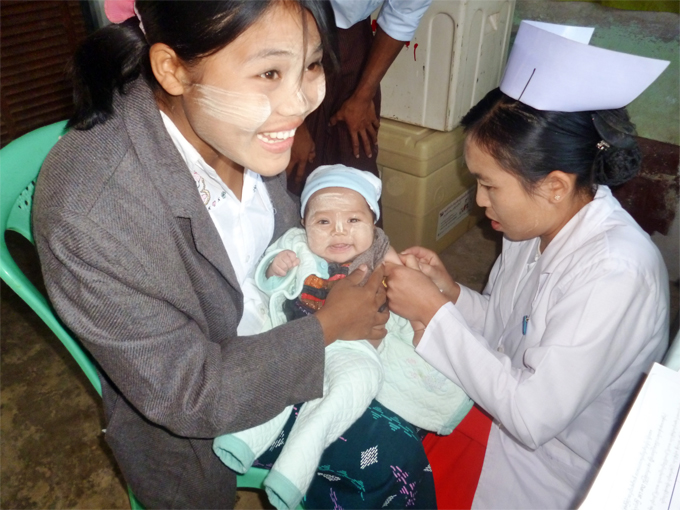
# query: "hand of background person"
[283,262]
[302,152]
[353,312]
[430,264]
[412,294]
[358,112]
[362,122]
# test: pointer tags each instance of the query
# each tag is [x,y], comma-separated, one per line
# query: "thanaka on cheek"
[247,111]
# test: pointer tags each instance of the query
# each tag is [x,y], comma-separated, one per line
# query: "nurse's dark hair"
[598,147]
[115,55]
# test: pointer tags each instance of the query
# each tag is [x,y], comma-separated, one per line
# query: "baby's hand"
[283,262]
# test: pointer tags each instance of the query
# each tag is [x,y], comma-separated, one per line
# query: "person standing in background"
[344,129]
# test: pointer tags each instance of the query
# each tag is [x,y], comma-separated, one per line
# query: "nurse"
[576,307]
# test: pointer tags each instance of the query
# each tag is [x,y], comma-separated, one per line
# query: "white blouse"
[245,226]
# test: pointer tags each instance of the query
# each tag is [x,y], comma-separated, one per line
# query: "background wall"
[650,34]
[36,44]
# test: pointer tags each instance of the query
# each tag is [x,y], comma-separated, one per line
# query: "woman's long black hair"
[598,147]
[116,55]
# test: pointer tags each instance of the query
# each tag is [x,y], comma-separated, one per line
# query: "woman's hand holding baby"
[283,262]
[353,312]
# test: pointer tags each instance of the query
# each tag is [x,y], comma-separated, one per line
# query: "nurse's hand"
[411,294]
[430,264]
[353,312]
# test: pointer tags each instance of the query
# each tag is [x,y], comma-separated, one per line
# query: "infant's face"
[339,224]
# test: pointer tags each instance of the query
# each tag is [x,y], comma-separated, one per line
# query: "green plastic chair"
[20,163]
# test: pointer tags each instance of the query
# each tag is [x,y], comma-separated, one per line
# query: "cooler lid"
[417,150]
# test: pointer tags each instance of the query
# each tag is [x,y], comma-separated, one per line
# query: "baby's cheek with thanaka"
[361,235]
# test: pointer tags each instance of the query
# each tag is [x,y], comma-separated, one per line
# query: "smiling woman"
[241,105]
[151,215]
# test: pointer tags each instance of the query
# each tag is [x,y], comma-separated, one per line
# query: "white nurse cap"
[553,67]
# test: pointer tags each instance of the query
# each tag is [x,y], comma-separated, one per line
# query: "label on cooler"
[454,212]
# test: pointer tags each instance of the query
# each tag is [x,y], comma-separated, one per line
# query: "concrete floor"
[52,453]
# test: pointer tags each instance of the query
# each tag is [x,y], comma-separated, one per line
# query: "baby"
[339,211]
[339,206]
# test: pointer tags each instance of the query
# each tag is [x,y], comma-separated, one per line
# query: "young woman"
[574,312]
[150,216]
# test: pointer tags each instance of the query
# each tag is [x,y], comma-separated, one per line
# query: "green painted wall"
[651,34]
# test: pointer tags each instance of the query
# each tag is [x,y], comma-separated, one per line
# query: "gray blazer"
[134,265]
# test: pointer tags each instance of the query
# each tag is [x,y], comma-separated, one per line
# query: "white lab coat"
[597,301]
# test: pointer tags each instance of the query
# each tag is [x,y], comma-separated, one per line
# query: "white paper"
[552,67]
[642,468]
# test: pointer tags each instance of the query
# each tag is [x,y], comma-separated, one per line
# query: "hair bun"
[619,159]
[614,166]
[615,128]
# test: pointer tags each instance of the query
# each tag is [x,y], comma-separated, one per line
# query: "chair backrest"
[20,163]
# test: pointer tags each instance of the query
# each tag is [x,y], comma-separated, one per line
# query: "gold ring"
[384,281]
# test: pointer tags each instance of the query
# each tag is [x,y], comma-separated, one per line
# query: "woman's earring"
[557,197]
